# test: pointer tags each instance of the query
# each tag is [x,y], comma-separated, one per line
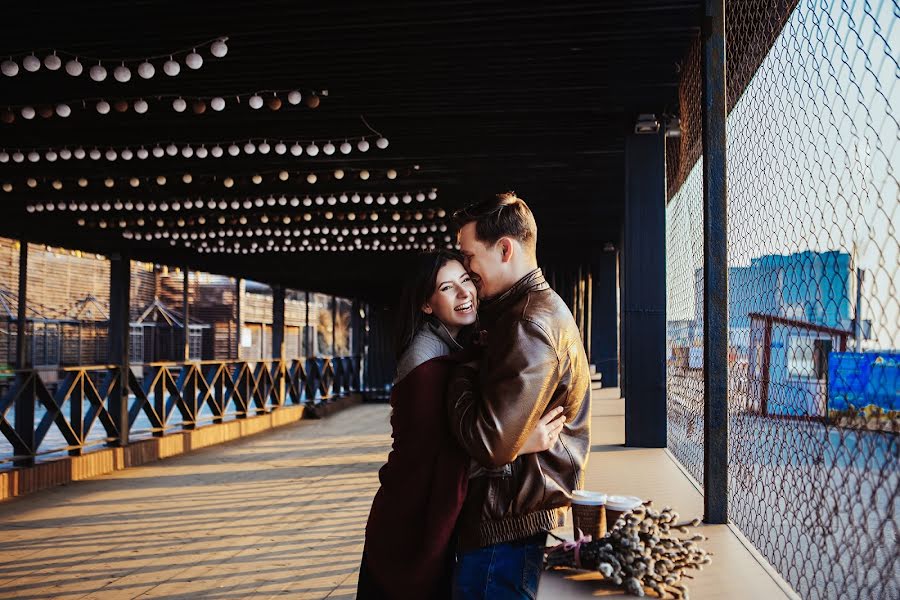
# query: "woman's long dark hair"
[418,289]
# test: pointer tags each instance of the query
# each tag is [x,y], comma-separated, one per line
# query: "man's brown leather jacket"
[533,361]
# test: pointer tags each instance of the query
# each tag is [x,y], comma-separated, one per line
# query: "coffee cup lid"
[623,503]
[587,498]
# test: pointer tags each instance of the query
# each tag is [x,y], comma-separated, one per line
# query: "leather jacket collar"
[493,308]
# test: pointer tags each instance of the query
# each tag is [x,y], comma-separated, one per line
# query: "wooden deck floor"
[282,515]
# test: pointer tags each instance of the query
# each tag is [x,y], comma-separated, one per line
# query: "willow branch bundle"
[646,549]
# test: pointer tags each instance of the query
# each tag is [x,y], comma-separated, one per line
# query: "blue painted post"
[644,293]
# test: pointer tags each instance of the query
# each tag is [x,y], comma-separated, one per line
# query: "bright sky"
[812,157]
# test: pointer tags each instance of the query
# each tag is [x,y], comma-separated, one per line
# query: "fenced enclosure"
[813,261]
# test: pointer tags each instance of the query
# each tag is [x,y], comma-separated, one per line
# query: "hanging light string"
[223,204]
[121,72]
[229,148]
[179,104]
[279,176]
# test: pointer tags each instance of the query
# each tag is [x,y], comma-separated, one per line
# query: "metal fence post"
[715,266]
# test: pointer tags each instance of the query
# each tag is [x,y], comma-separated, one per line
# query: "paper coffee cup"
[588,513]
[616,506]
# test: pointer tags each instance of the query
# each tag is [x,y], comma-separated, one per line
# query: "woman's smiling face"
[454,299]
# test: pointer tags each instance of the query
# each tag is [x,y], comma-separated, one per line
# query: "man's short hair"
[506,215]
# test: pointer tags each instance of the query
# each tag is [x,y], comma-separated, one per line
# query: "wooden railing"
[228,389]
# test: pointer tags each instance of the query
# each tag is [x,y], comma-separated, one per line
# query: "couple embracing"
[490,419]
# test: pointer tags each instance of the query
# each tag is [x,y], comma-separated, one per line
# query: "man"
[532,362]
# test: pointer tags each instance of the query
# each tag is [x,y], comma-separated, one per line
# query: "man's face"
[484,262]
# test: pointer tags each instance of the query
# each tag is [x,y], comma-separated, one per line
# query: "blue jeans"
[509,571]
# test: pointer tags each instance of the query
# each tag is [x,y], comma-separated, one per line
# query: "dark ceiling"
[474,97]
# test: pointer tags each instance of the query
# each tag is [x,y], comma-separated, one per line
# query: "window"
[807,357]
[195,351]
[136,346]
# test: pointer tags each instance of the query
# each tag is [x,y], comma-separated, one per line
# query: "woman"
[409,535]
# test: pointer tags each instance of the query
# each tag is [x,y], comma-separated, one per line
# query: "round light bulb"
[187,178]
[171,68]
[255,102]
[146,70]
[256,179]
[158,152]
[122,74]
[10,68]
[432,195]
[108,182]
[95,154]
[33,156]
[194,60]
[134,182]
[218,48]
[52,62]
[328,148]
[31,63]
[229,182]
[140,106]
[294,97]
[98,72]
[187,152]
[51,156]
[217,103]
[179,104]
[391,174]
[217,151]
[381,142]
[338,173]
[31,182]
[201,152]
[65,154]
[57,184]
[296,149]
[363,145]
[364,174]
[346,148]
[111,155]
[27,112]
[79,153]
[283,175]
[280,148]
[249,148]
[74,68]
[18,157]
[312,149]
[234,150]
[160,180]
[311,178]
[172,150]
[63,110]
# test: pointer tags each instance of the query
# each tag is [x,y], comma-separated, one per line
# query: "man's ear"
[426,308]
[506,249]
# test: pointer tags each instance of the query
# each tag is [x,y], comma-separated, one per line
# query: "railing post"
[278,294]
[715,266]
[25,398]
[185,295]
[120,339]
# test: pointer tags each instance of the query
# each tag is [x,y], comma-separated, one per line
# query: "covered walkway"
[282,514]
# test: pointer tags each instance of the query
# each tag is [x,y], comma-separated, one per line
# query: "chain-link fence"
[814,339]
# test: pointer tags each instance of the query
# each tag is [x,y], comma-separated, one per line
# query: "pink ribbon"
[574,545]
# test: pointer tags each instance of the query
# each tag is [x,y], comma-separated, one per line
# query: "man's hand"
[544,435]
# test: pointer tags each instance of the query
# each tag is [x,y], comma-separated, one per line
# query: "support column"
[644,304]
[120,339]
[715,267]
[185,297]
[278,322]
[604,316]
[26,398]
[307,335]
[239,315]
